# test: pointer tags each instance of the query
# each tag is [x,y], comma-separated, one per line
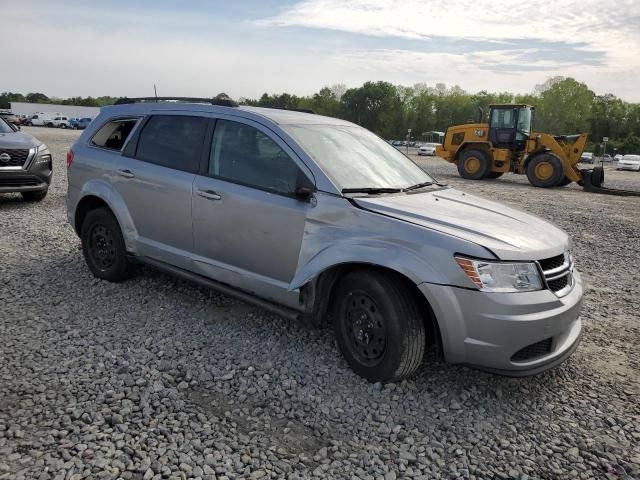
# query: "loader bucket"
[592,182]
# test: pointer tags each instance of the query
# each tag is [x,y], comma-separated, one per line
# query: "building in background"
[72,111]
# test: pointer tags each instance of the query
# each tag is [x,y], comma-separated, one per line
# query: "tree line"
[563,106]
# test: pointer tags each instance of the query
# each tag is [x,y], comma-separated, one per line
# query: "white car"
[629,162]
[428,149]
[60,122]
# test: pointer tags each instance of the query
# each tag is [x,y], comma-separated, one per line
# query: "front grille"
[18,182]
[18,157]
[553,262]
[559,283]
[558,273]
[532,351]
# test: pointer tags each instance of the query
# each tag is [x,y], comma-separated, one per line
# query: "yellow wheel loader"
[507,144]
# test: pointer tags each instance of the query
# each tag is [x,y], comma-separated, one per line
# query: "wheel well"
[326,282]
[85,205]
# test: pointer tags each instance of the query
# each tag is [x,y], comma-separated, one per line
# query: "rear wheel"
[103,246]
[473,164]
[378,326]
[36,196]
[545,171]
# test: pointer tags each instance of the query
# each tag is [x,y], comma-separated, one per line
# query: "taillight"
[69,158]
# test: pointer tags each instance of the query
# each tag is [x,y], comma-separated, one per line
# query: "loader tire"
[545,171]
[473,165]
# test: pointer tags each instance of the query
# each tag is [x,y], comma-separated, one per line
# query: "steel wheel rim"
[102,247]
[472,164]
[544,170]
[365,328]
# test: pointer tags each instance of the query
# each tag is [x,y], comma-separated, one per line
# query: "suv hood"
[509,233]
[18,140]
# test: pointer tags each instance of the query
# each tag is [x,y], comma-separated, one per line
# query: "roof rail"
[301,110]
[222,101]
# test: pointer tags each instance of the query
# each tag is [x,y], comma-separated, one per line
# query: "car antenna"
[155,92]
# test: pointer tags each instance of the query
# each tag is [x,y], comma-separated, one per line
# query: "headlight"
[42,154]
[491,276]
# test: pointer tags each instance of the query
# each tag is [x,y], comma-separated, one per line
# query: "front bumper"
[487,330]
[629,167]
[36,177]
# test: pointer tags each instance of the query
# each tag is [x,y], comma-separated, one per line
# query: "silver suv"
[318,219]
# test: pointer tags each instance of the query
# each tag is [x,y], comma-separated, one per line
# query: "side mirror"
[304,193]
[14,127]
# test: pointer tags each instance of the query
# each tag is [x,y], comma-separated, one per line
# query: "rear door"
[247,222]
[155,178]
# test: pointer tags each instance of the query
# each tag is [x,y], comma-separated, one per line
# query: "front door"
[247,223]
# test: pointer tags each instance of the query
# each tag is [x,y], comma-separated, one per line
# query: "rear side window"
[114,134]
[172,141]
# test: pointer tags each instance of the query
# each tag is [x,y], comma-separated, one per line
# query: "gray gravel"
[157,378]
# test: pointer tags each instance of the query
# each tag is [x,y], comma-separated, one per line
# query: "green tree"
[565,107]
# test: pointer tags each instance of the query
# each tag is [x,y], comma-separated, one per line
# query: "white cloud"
[609,26]
[91,50]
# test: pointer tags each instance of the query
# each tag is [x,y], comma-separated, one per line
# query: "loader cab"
[510,126]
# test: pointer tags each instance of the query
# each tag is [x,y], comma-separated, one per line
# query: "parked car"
[79,123]
[60,121]
[9,117]
[427,149]
[25,163]
[318,219]
[42,119]
[617,157]
[586,157]
[606,158]
[629,162]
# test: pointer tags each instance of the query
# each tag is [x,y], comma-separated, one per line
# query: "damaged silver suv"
[318,219]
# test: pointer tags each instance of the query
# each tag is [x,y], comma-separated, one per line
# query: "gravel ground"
[157,378]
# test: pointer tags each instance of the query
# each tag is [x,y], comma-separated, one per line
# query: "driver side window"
[243,154]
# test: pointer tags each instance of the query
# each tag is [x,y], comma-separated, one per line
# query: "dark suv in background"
[25,163]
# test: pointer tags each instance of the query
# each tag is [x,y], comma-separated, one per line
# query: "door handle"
[126,173]
[209,194]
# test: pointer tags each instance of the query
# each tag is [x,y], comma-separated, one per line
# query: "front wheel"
[378,326]
[545,170]
[103,246]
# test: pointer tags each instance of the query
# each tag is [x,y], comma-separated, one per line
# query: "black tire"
[50,125]
[545,171]
[103,246]
[597,176]
[35,196]
[473,164]
[393,324]
[495,174]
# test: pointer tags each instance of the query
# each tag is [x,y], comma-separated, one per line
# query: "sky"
[248,47]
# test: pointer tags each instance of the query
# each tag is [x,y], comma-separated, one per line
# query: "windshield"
[353,157]
[4,126]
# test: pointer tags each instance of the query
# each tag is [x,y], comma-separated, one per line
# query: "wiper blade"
[418,185]
[371,190]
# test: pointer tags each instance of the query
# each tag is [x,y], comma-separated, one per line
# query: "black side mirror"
[14,127]
[304,193]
